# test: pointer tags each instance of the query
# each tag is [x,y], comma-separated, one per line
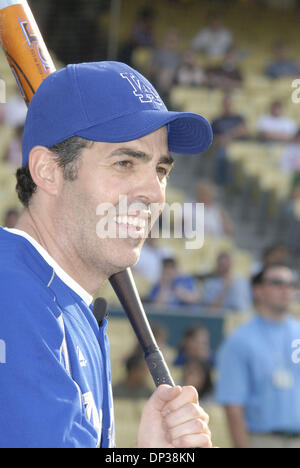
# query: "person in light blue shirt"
[224,291]
[258,373]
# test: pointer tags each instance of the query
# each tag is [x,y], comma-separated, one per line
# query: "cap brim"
[188,133]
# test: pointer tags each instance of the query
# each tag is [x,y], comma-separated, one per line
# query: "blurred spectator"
[11,218]
[165,62]
[13,154]
[135,385]
[214,40]
[141,35]
[15,111]
[174,289]
[189,72]
[227,127]
[276,127]
[289,223]
[258,376]
[199,374]
[282,66]
[2,114]
[150,261]
[294,196]
[225,291]
[290,159]
[227,75]
[161,335]
[217,222]
[142,31]
[277,253]
[195,345]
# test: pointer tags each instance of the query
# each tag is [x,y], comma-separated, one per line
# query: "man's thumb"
[163,394]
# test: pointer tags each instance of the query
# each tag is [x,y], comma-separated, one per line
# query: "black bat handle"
[159,369]
[126,290]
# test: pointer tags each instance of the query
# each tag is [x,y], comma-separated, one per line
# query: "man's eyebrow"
[167,159]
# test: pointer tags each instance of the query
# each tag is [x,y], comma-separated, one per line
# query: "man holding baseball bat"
[94,132]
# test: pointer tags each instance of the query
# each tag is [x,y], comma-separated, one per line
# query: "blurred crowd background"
[236,62]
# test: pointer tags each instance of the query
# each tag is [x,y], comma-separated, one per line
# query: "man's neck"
[62,253]
[271,315]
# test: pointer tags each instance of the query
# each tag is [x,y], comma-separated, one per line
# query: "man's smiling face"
[137,170]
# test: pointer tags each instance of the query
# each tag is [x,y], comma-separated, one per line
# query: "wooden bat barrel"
[24,47]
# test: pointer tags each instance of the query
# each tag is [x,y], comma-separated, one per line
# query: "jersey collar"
[67,279]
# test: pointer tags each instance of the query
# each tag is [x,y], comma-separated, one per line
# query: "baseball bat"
[31,63]
[24,47]
[126,290]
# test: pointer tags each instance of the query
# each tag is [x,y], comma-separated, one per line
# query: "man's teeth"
[137,222]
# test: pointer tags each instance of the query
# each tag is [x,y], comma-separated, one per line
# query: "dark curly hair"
[67,155]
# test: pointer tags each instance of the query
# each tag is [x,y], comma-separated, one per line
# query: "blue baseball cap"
[107,102]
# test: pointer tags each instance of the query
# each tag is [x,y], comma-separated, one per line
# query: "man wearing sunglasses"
[259,377]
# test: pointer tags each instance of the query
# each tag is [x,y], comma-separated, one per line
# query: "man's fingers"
[185,422]
[184,414]
[163,394]
[188,395]
[195,426]
[193,441]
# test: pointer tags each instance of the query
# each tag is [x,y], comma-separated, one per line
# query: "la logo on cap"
[141,90]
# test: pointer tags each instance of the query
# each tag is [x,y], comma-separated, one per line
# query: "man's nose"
[150,188]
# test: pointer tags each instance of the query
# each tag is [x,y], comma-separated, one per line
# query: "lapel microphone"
[100,310]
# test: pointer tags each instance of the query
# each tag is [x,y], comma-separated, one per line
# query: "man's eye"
[124,164]
[163,172]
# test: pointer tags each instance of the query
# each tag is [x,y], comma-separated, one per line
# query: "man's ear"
[44,170]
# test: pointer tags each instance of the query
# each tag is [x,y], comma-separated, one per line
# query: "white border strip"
[7,3]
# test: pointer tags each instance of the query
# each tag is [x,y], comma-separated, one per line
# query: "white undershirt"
[87,298]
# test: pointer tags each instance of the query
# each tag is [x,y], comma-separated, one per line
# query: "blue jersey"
[55,381]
